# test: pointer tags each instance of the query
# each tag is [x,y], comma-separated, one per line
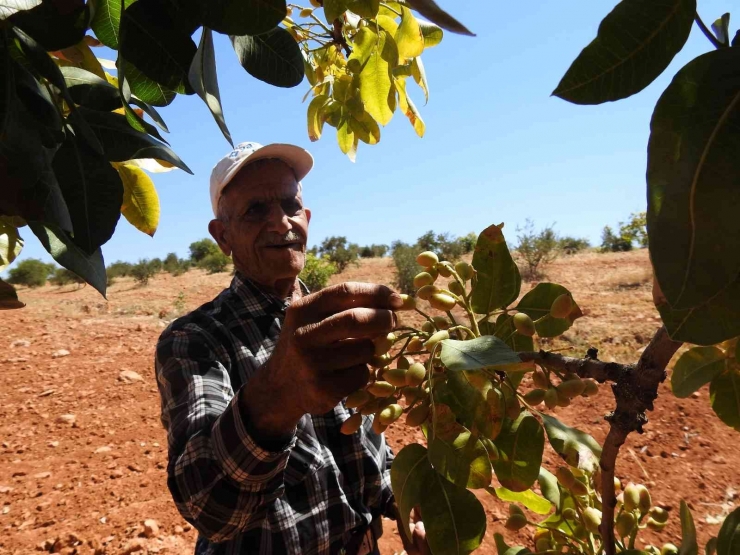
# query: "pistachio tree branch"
[635,389]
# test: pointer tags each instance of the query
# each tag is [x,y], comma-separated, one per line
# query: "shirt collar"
[256,299]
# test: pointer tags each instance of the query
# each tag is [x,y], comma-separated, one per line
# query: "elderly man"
[252,382]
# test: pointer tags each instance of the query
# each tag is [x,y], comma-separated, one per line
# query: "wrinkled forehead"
[263,180]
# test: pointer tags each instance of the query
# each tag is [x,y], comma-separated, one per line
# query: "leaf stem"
[707,32]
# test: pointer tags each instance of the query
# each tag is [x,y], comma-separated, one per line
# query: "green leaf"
[273,57]
[528,498]
[333,9]
[454,518]
[693,170]
[409,37]
[121,142]
[537,305]
[503,549]
[466,393]
[432,33]
[688,546]
[9,7]
[140,201]
[635,43]
[364,8]
[152,41]
[708,324]
[430,10]
[11,242]
[243,17]
[204,80]
[549,487]
[728,539]
[365,128]
[92,191]
[70,19]
[711,547]
[577,448]
[345,135]
[89,90]
[61,247]
[376,83]
[8,296]
[482,352]
[520,444]
[499,281]
[152,113]
[724,394]
[107,20]
[695,368]
[146,89]
[454,453]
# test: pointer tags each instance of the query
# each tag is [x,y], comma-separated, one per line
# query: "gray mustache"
[290,237]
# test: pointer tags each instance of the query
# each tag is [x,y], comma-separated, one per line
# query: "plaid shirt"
[307,497]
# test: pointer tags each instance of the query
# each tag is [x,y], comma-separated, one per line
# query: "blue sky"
[498,148]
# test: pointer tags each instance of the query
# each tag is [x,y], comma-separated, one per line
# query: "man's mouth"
[295,245]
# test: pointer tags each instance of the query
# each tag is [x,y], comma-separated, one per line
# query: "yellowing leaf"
[140,201]
[420,76]
[10,242]
[345,135]
[366,128]
[362,46]
[376,86]
[408,108]
[388,23]
[409,37]
[315,119]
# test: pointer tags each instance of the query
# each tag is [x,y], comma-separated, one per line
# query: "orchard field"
[83,453]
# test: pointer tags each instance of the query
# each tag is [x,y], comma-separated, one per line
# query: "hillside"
[99,473]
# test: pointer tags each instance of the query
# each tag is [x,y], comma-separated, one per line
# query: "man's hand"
[321,356]
[416,542]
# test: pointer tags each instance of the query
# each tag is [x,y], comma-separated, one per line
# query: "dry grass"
[629,278]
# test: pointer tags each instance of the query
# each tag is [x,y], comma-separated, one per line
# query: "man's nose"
[279,221]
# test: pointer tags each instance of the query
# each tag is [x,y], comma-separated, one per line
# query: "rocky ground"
[83,454]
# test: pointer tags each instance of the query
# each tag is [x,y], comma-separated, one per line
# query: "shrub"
[200,249]
[536,248]
[446,246]
[215,262]
[62,277]
[119,269]
[317,271]
[373,251]
[610,242]
[143,271]
[174,265]
[339,253]
[31,273]
[467,242]
[156,264]
[404,257]
[573,245]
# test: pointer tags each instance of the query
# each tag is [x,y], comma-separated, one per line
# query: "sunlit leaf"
[11,242]
[140,200]
[499,281]
[528,498]
[520,444]
[364,8]
[345,135]
[376,83]
[61,247]
[635,43]
[577,448]
[204,80]
[82,56]
[107,20]
[466,393]
[9,7]
[724,394]
[432,33]
[273,57]
[482,352]
[502,548]
[409,37]
[409,109]
[315,119]
[689,545]
[147,89]
[505,330]
[430,10]
[537,302]
[365,128]
[693,171]
[696,368]
[549,487]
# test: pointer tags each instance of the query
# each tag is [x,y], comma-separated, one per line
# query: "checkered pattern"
[306,497]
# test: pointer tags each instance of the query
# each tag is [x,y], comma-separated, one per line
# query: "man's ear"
[217,229]
[307,211]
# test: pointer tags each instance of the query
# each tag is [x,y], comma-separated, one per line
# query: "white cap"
[300,160]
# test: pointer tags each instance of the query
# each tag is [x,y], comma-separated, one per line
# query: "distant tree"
[143,271]
[156,264]
[200,249]
[631,232]
[373,251]
[174,265]
[467,242]
[612,242]
[573,245]
[62,277]
[444,245]
[404,257]
[30,272]
[119,269]
[215,262]
[317,272]
[339,252]
[536,248]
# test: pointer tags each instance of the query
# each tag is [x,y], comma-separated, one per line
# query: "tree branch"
[635,389]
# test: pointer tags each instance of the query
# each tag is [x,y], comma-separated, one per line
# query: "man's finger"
[356,323]
[341,297]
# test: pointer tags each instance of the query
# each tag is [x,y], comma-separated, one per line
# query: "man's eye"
[256,210]
[292,206]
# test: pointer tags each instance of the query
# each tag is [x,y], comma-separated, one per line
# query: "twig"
[707,32]
[635,389]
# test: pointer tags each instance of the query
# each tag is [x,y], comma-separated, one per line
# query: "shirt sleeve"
[221,480]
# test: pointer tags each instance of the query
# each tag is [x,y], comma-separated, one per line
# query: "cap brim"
[299,159]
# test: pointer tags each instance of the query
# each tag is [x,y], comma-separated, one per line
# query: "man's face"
[266,226]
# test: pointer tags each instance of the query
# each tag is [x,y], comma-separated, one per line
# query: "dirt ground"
[83,453]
